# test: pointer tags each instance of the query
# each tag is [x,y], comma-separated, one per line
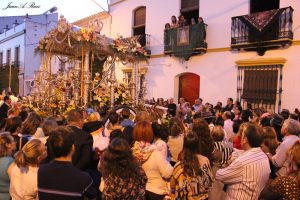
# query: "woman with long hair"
[155,165]
[31,128]
[175,140]
[161,133]
[192,177]
[270,142]
[13,126]
[286,187]
[7,149]
[174,23]
[206,143]
[23,181]
[124,177]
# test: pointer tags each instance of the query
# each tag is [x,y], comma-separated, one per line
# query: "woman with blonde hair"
[94,116]
[238,138]
[270,142]
[23,183]
[7,149]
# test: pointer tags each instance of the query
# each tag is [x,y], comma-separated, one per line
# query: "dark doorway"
[190,9]
[263,5]
[191,14]
[189,87]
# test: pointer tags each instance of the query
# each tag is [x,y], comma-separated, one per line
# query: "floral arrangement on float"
[87,35]
[129,45]
[102,93]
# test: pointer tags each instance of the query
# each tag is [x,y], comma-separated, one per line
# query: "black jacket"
[91,126]
[59,180]
[3,111]
[83,148]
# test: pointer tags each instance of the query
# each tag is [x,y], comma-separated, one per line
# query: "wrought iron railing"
[144,40]
[185,41]
[257,28]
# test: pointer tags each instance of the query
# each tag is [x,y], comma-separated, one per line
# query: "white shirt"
[39,133]
[162,147]
[280,158]
[157,167]
[101,139]
[228,129]
[23,184]
[14,99]
[175,146]
[246,176]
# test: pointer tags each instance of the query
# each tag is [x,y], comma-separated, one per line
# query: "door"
[189,87]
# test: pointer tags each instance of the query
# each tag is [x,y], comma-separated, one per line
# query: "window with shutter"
[17,56]
[189,5]
[260,85]
[8,56]
[139,21]
[140,17]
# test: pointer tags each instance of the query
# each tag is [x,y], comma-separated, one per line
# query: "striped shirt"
[246,176]
[226,152]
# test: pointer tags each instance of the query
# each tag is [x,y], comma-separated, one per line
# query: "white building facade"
[221,71]
[18,40]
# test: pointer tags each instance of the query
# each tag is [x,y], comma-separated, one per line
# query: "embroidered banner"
[260,21]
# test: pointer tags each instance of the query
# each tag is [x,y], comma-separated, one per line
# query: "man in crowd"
[83,141]
[59,179]
[229,105]
[290,130]
[172,107]
[5,107]
[198,104]
[246,176]
[125,116]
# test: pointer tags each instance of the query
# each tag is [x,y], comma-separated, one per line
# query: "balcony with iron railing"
[263,30]
[144,40]
[185,41]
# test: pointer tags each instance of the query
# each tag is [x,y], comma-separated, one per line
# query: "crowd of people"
[192,152]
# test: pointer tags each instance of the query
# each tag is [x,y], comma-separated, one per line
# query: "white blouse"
[157,168]
[23,183]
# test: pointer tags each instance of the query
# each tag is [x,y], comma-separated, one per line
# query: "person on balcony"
[182,21]
[174,23]
[167,26]
[201,21]
[193,22]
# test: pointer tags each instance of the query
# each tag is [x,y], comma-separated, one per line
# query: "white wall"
[217,71]
[217,14]
[11,44]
